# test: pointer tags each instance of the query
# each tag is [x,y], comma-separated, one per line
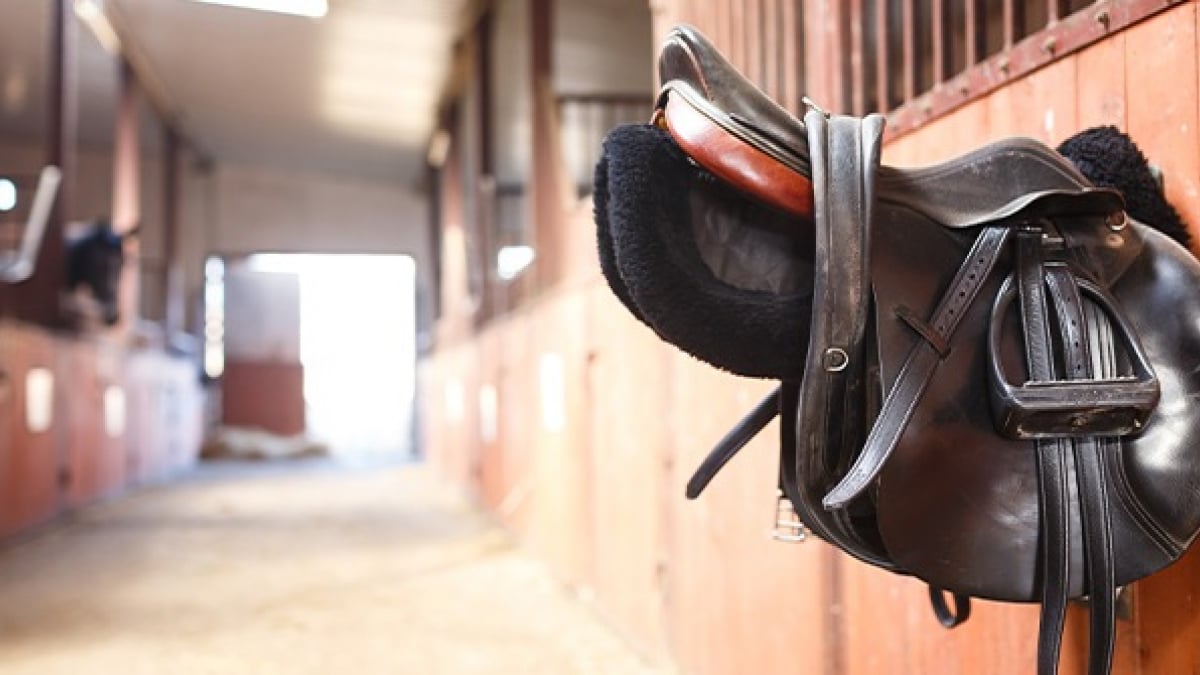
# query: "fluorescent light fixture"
[91,13]
[310,8]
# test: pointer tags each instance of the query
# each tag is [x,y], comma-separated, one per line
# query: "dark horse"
[94,260]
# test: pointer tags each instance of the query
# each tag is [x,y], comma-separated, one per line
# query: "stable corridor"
[305,568]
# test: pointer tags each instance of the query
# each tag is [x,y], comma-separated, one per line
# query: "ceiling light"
[310,8]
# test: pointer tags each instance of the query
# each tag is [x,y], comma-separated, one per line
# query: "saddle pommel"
[730,127]
[731,159]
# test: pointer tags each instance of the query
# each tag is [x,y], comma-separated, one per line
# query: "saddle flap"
[1012,179]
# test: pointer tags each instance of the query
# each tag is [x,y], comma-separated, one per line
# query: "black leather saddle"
[986,365]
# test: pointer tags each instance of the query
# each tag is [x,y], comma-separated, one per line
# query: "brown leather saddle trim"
[733,151]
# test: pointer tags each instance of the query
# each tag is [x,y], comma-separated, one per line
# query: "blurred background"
[307,366]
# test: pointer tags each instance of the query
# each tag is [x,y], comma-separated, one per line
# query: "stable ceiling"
[353,93]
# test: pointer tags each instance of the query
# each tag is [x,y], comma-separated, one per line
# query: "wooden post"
[545,175]
[126,204]
[173,298]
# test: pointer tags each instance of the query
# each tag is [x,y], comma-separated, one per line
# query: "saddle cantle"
[986,365]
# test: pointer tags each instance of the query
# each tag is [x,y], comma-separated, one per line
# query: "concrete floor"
[311,569]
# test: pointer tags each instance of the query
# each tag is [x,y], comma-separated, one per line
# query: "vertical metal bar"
[797,26]
[173,297]
[976,40]
[769,47]
[791,69]
[908,26]
[857,79]
[882,62]
[737,29]
[545,175]
[486,213]
[839,49]
[1014,22]
[752,39]
[1057,9]
[724,21]
[941,39]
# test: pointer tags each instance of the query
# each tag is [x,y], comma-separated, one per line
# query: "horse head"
[94,261]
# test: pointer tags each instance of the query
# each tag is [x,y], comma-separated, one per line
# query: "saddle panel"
[1158,292]
[958,503]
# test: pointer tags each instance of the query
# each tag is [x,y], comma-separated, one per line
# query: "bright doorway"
[357,345]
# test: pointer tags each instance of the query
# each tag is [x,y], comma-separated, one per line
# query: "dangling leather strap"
[1051,455]
[919,367]
[1090,475]
[941,609]
[737,438]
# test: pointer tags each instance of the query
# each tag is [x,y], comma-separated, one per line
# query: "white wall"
[238,209]
[259,209]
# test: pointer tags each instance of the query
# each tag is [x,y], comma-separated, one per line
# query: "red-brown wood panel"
[769,44]
[890,628]
[1161,85]
[737,35]
[95,458]
[266,395]
[943,138]
[520,418]
[29,461]
[775,608]
[561,438]
[456,398]
[1041,105]
[629,437]
[1100,83]
[1161,82]
[752,32]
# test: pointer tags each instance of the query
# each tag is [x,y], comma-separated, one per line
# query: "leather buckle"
[788,527]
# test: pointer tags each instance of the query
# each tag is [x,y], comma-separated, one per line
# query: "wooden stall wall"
[119,418]
[594,483]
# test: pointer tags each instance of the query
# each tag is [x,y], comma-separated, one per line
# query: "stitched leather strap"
[1090,475]
[844,154]
[1051,456]
[919,367]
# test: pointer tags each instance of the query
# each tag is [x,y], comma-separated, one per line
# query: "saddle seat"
[732,128]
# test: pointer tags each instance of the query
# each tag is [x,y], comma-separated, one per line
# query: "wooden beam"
[126,190]
[174,294]
[546,172]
